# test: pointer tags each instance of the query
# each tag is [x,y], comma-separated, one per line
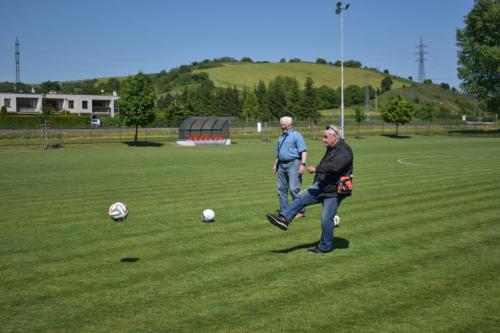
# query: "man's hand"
[302,169]
[311,169]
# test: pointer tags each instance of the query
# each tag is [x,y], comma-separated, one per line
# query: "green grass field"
[248,74]
[417,250]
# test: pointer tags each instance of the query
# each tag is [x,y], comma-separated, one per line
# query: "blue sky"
[64,40]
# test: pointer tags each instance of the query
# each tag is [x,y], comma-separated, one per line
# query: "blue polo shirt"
[290,146]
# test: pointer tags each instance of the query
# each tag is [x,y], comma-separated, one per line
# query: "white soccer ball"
[118,211]
[208,215]
[336,220]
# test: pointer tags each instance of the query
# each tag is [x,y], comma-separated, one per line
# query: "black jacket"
[336,162]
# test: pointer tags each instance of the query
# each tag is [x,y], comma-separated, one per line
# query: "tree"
[352,63]
[227,102]
[113,84]
[479,53]
[327,97]
[261,93]
[165,101]
[137,102]
[3,113]
[294,99]
[354,95]
[205,98]
[321,61]
[359,116]
[427,112]
[445,86]
[276,100]
[309,109]
[397,111]
[234,103]
[386,84]
[47,112]
[7,86]
[250,105]
[176,112]
[13,87]
[49,86]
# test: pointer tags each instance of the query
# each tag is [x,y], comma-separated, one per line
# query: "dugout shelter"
[204,131]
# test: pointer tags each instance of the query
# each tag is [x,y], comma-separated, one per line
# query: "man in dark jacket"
[337,162]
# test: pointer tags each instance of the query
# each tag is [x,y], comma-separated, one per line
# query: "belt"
[283,162]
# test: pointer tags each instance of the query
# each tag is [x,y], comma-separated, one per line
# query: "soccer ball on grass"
[208,215]
[118,211]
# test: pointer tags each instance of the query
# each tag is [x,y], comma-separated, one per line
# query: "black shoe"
[278,220]
[316,249]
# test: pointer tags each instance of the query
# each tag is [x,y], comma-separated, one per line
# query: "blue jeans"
[312,196]
[288,177]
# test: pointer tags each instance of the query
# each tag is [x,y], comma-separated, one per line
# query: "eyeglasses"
[332,128]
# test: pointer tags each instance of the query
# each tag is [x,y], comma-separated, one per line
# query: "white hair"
[286,119]
[332,129]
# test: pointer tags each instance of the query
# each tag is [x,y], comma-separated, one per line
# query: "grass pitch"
[417,250]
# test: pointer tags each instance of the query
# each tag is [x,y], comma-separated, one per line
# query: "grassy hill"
[451,100]
[248,74]
[245,74]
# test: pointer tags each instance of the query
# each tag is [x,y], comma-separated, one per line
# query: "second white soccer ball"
[336,221]
[208,215]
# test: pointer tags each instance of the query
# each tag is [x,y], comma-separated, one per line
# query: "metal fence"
[56,137]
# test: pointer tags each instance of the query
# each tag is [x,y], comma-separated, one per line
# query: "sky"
[63,40]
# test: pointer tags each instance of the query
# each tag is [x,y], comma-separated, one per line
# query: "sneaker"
[278,220]
[316,249]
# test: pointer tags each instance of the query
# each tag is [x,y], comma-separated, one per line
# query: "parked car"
[95,122]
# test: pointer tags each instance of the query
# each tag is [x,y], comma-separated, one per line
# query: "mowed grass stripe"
[285,310]
[403,221]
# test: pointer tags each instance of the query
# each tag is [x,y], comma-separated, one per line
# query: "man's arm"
[303,159]
[275,166]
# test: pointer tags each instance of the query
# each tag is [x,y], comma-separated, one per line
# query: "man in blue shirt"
[291,157]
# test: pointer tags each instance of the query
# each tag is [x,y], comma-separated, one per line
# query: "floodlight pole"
[340,11]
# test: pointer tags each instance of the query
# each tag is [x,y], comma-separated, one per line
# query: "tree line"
[281,96]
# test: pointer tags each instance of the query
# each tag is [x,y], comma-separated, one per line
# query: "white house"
[26,103]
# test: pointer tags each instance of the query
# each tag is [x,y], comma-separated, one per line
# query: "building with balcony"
[26,103]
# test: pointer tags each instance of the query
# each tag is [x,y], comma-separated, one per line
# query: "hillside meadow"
[248,74]
[417,249]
